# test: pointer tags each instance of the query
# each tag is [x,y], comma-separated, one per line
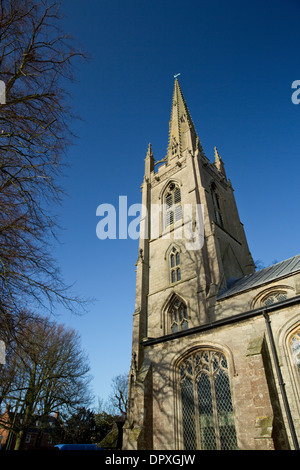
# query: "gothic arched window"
[295,350]
[175,271]
[172,203]
[206,406]
[177,315]
[217,207]
[274,297]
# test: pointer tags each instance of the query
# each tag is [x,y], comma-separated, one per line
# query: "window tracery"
[207,410]
[295,350]
[274,297]
[178,316]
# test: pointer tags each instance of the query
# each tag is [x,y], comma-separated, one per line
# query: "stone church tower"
[202,374]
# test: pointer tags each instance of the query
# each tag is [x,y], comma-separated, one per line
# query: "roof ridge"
[261,277]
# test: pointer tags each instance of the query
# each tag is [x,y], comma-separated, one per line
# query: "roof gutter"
[222,322]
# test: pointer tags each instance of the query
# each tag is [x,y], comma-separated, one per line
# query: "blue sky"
[237,62]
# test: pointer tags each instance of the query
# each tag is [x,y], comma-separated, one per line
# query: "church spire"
[182,134]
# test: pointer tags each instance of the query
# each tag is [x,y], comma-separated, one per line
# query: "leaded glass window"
[274,297]
[207,412]
[295,347]
[178,315]
[173,208]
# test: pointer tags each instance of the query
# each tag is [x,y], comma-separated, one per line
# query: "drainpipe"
[280,381]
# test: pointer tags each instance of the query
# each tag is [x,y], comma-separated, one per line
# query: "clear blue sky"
[237,61]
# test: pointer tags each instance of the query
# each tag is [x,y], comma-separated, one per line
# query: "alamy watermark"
[296,94]
[2,352]
[186,224]
[2,92]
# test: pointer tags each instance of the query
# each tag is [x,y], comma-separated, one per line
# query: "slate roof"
[272,273]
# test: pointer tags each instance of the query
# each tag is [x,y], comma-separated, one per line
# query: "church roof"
[272,273]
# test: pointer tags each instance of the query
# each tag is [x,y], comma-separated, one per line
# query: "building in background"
[38,436]
[216,344]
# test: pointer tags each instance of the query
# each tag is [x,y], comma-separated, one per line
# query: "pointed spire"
[219,164]
[182,134]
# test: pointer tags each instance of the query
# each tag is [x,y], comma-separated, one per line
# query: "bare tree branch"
[36,60]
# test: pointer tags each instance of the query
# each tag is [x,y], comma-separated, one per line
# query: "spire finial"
[177,75]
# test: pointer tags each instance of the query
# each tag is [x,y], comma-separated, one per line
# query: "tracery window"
[173,208]
[295,350]
[178,317]
[175,270]
[274,297]
[207,411]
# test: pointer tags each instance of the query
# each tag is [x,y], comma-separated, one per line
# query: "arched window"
[206,406]
[172,203]
[177,315]
[271,296]
[274,297]
[175,271]
[295,350]
[217,208]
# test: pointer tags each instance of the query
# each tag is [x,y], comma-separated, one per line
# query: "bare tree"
[119,395]
[46,372]
[36,61]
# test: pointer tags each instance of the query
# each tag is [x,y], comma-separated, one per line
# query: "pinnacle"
[149,161]
[149,151]
[219,164]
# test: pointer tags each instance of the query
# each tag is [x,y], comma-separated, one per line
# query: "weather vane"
[175,76]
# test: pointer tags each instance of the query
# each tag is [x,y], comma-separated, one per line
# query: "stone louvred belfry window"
[172,205]
[217,207]
[175,270]
[206,406]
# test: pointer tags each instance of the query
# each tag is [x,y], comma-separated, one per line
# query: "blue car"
[76,446]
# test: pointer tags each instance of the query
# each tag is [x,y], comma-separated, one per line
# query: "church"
[216,343]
